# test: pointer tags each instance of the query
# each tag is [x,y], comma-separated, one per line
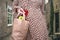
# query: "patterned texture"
[37,27]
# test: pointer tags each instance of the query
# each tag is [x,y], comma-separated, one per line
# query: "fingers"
[21,14]
[24,15]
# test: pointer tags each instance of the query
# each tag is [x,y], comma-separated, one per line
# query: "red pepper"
[26,12]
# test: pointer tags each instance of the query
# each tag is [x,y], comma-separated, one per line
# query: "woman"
[37,23]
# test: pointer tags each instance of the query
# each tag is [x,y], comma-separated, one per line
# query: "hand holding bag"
[20,28]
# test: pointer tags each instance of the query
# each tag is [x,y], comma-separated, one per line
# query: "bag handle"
[21,14]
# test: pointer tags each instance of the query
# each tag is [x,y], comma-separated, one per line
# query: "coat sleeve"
[15,3]
[14,9]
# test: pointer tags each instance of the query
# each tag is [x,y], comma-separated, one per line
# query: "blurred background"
[52,13]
